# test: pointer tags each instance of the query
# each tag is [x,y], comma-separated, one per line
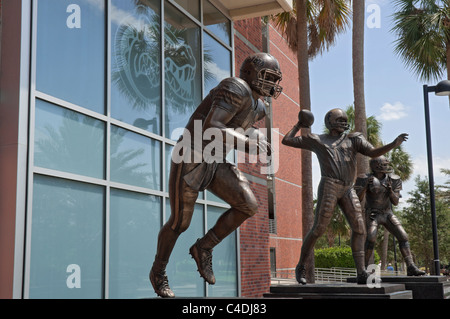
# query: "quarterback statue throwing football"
[336,152]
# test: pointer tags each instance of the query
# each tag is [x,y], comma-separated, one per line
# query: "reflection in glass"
[182,69]
[68,141]
[216,22]
[169,149]
[191,6]
[70,52]
[224,261]
[66,240]
[182,269]
[134,225]
[217,63]
[135,159]
[136,63]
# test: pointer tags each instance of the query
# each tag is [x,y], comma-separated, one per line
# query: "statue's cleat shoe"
[300,274]
[412,270]
[203,258]
[361,279]
[160,284]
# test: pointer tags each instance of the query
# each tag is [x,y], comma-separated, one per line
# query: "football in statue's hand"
[305,118]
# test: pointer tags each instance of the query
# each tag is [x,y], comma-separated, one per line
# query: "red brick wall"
[288,238]
[254,233]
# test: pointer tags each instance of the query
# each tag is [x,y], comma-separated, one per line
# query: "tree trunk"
[358,77]
[305,103]
[448,63]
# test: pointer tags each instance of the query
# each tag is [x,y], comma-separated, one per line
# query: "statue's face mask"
[268,83]
[381,165]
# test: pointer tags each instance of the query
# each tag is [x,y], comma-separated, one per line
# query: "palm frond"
[423,33]
[326,20]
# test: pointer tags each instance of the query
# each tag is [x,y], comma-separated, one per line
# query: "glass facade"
[112,82]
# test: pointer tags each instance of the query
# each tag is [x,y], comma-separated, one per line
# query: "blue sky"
[393,94]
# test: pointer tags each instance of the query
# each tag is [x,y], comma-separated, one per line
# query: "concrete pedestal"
[339,291]
[422,287]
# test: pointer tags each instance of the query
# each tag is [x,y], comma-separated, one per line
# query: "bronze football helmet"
[337,119]
[262,72]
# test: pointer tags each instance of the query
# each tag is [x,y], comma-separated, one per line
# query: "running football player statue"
[381,189]
[232,107]
[336,152]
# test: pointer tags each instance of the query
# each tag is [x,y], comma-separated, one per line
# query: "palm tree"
[373,126]
[358,77]
[310,29]
[423,37]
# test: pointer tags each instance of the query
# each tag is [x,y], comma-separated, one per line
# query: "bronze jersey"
[233,95]
[377,192]
[336,155]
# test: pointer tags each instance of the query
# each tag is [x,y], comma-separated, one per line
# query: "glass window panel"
[136,63]
[134,226]
[214,198]
[183,69]
[68,141]
[70,56]
[66,240]
[191,6]
[217,61]
[216,22]
[182,269]
[135,159]
[224,261]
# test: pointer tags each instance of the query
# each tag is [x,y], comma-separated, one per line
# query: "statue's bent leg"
[372,230]
[230,185]
[394,226]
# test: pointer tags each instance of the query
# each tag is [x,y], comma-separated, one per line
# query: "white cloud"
[421,168]
[215,70]
[393,112]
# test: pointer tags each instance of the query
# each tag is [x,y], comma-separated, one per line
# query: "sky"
[393,94]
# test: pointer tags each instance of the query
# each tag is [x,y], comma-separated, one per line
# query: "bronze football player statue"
[232,107]
[336,152]
[381,189]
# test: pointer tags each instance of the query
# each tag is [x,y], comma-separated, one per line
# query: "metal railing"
[324,275]
[335,274]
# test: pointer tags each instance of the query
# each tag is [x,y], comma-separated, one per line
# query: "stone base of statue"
[422,287]
[339,291]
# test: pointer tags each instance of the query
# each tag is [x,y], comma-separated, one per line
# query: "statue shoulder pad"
[234,82]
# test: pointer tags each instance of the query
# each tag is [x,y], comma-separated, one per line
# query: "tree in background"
[361,125]
[423,37]
[416,219]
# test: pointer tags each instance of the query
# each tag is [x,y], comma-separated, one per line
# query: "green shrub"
[336,257]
